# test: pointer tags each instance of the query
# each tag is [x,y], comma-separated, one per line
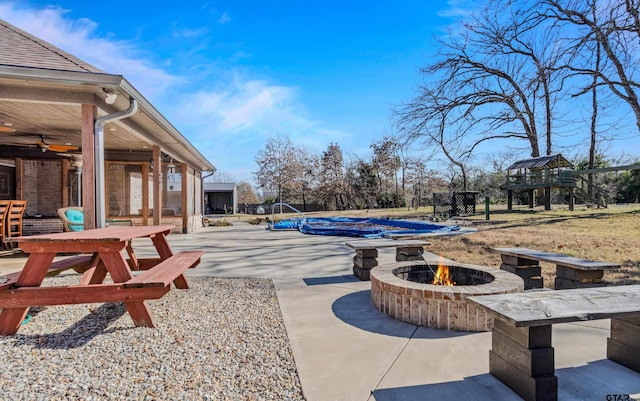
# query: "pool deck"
[347,350]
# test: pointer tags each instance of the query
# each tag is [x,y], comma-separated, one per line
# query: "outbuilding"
[220,197]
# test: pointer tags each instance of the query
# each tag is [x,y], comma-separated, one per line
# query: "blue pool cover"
[360,227]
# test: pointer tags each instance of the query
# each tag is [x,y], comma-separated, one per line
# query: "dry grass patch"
[611,235]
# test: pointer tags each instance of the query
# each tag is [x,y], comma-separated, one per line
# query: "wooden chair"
[4,208]
[14,219]
[67,224]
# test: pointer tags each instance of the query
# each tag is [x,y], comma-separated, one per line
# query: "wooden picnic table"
[101,253]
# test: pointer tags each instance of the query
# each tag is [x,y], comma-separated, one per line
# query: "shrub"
[217,223]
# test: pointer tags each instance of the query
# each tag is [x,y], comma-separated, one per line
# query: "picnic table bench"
[367,253]
[521,354]
[571,272]
[100,255]
[78,263]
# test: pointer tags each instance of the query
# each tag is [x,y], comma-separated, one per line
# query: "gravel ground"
[223,339]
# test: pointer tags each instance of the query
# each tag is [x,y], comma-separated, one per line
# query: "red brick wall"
[116,185]
[41,226]
[43,186]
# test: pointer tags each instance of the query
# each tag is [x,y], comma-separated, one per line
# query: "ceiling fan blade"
[61,148]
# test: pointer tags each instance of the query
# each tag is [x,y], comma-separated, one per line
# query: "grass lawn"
[611,235]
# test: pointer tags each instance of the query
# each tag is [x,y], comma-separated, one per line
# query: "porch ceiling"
[60,124]
[52,107]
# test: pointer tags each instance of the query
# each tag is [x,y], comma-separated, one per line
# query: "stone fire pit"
[403,290]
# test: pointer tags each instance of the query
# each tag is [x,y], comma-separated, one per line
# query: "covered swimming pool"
[360,227]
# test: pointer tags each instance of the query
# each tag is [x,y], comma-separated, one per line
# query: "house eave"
[98,81]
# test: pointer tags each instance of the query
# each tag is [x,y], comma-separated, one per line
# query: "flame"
[442,276]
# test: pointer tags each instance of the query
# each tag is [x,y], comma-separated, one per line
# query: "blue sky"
[230,74]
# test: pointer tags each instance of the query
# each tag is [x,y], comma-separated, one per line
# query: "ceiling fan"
[20,139]
[58,148]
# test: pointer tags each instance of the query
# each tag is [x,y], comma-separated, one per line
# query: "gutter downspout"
[202,208]
[211,172]
[98,132]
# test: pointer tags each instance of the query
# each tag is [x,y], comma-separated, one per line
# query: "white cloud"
[239,105]
[78,37]
[226,116]
[239,55]
[254,106]
[233,122]
[224,18]
[456,9]
[190,33]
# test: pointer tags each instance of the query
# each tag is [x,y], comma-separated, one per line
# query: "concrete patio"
[345,349]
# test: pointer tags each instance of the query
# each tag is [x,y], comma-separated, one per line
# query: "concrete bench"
[367,253]
[570,272]
[521,354]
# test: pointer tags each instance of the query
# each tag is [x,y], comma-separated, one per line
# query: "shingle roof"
[21,49]
[554,161]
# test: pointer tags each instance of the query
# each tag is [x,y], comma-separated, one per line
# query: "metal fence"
[454,204]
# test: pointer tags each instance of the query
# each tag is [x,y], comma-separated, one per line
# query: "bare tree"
[615,26]
[362,178]
[220,176]
[634,16]
[278,166]
[386,160]
[603,44]
[489,83]
[517,31]
[332,185]
[307,177]
[594,112]
[484,90]
[245,193]
[416,176]
[427,121]
[423,181]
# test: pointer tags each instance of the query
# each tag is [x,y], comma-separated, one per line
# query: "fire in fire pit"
[442,276]
[434,295]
